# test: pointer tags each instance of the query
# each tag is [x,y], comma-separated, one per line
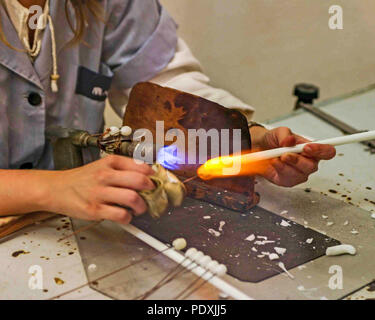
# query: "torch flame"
[169,158]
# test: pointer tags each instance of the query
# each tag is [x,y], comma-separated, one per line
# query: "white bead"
[179,244]
[114,131]
[273,256]
[92,267]
[199,255]
[223,296]
[205,261]
[189,253]
[281,250]
[221,270]
[212,266]
[341,249]
[126,131]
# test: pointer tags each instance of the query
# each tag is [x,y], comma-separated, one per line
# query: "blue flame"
[169,157]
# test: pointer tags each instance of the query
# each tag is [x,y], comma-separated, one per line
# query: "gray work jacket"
[136,43]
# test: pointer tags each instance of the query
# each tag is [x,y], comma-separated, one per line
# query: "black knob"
[26,166]
[306,93]
[34,99]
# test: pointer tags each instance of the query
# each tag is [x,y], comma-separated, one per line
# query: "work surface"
[343,190]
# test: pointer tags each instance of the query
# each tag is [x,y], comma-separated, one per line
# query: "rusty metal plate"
[149,103]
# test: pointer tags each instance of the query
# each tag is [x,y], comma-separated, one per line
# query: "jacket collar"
[19,62]
[16,61]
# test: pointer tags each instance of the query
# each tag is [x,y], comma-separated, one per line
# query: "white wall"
[258,49]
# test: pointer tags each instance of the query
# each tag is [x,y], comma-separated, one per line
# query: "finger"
[284,169]
[303,164]
[128,164]
[130,180]
[285,137]
[287,176]
[126,198]
[115,213]
[320,151]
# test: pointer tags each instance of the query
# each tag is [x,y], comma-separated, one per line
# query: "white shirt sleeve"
[184,73]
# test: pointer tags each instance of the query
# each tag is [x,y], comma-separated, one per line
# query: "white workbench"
[352,172]
[353,169]
[60,260]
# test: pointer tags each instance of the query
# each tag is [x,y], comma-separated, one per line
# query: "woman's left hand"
[290,169]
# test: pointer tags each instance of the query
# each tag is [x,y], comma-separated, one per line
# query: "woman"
[48,76]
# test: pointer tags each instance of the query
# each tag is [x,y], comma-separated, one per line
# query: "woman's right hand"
[100,190]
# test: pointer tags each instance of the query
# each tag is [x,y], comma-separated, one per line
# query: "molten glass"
[232,166]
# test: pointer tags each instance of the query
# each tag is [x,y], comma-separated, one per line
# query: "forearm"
[24,191]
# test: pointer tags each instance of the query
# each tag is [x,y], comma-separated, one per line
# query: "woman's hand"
[290,169]
[100,190]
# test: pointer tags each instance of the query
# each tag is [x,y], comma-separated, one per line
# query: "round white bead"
[212,266]
[126,131]
[189,253]
[221,270]
[92,267]
[205,261]
[199,255]
[179,244]
[114,131]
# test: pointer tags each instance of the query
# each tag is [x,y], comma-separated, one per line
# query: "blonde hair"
[82,10]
